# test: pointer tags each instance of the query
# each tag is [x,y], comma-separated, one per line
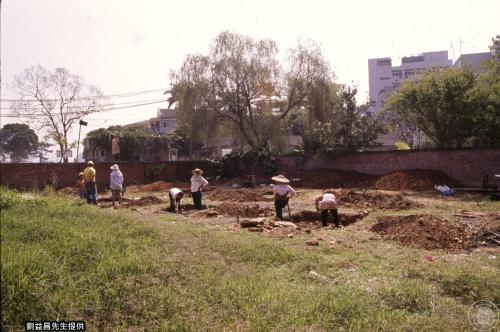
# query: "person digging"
[327,202]
[197,182]
[282,193]
[175,195]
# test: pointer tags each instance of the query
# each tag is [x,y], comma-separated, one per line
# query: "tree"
[486,96]
[439,105]
[242,82]
[133,141]
[43,150]
[339,125]
[54,101]
[18,140]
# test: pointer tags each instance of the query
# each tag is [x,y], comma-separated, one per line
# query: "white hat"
[115,166]
[280,179]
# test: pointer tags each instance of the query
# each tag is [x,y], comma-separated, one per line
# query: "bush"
[262,159]
[7,198]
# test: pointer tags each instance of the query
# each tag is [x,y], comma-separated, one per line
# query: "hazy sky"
[131,45]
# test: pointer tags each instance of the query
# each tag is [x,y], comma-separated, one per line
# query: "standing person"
[80,185]
[282,193]
[327,202]
[116,184]
[90,185]
[175,195]
[197,181]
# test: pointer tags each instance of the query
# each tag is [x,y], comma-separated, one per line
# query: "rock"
[286,224]
[246,223]
[313,242]
[255,229]
[212,213]
[290,235]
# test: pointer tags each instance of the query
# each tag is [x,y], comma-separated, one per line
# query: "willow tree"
[54,101]
[242,81]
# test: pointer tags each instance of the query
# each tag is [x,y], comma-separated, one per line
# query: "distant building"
[385,78]
[474,61]
[165,122]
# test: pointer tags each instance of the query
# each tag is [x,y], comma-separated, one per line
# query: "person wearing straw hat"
[90,185]
[197,182]
[116,184]
[282,193]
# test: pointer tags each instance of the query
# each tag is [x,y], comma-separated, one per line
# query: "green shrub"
[7,198]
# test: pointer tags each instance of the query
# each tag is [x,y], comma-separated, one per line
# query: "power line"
[76,113]
[117,95]
[113,104]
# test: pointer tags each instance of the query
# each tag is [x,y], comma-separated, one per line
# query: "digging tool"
[203,197]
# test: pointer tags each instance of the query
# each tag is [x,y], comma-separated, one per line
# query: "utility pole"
[82,123]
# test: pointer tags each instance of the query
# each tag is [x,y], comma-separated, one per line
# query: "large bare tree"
[54,101]
[243,81]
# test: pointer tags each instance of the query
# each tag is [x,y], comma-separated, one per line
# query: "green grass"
[121,271]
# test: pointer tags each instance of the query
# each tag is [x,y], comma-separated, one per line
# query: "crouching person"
[282,193]
[327,202]
[175,195]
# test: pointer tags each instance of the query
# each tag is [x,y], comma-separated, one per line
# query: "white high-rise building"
[385,78]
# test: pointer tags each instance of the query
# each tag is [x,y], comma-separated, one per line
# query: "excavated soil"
[376,200]
[127,202]
[240,195]
[243,210]
[345,218]
[161,186]
[423,231]
[416,179]
[324,177]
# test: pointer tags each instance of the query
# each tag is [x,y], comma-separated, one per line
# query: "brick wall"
[468,166]
[33,175]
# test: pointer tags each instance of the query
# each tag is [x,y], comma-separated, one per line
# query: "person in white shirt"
[197,182]
[115,184]
[282,193]
[175,195]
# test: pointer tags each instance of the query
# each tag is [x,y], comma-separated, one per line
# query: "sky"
[131,45]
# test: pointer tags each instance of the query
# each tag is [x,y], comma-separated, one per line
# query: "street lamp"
[82,123]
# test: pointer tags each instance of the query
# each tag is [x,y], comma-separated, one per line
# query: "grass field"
[119,270]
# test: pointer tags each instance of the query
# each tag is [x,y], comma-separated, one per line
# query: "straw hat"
[90,163]
[115,166]
[280,179]
[197,171]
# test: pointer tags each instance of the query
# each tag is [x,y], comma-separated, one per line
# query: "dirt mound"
[374,199]
[415,179]
[324,177]
[240,195]
[155,186]
[250,211]
[424,231]
[345,218]
[146,200]
[69,191]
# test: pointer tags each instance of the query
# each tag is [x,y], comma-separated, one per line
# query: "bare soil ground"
[419,219]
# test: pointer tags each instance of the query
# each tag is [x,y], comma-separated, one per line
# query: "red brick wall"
[468,166]
[33,175]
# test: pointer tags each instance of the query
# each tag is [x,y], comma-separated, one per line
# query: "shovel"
[203,197]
